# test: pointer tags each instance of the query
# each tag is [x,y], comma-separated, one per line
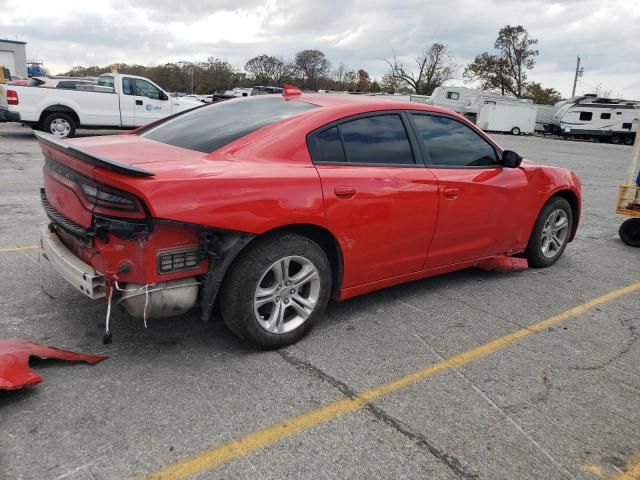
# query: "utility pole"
[579,72]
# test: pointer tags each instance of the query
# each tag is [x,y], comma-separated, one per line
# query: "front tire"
[276,290]
[60,124]
[550,233]
[630,232]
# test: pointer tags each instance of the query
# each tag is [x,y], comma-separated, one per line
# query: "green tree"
[364,82]
[541,95]
[506,70]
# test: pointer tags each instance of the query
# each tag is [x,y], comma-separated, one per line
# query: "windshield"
[208,128]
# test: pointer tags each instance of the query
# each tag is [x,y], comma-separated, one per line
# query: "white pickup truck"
[117,101]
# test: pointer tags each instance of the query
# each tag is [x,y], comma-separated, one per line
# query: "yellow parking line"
[19,249]
[632,472]
[246,444]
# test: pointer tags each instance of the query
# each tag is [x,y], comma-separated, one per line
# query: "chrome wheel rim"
[554,233]
[60,127]
[287,294]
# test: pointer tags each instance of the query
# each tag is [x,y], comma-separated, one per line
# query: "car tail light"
[95,196]
[110,201]
[178,260]
[12,97]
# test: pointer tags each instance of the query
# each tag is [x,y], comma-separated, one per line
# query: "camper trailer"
[468,102]
[592,117]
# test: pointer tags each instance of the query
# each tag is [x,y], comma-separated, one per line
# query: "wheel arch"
[326,240]
[571,197]
[59,108]
[240,242]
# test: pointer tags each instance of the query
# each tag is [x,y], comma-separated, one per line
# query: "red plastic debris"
[15,372]
[503,264]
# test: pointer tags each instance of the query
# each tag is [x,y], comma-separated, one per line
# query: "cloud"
[356,32]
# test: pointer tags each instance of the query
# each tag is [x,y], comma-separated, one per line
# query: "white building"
[13,55]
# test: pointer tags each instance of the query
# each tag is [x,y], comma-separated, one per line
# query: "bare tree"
[434,66]
[339,73]
[312,65]
[268,70]
[350,80]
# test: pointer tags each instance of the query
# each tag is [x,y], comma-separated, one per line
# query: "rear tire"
[515,131]
[550,233]
[61,125]
[615,139]
[628,140]
[276,290]
[630,232]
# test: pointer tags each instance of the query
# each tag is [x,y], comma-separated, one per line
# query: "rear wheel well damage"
[224,249]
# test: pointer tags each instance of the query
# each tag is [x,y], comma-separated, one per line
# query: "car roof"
[364,103]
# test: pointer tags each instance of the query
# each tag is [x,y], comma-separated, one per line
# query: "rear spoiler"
[97,160]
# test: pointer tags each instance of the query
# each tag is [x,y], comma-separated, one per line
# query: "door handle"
[138,102]
[451,192]
[344,192]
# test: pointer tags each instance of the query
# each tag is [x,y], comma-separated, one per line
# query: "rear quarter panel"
[252,185]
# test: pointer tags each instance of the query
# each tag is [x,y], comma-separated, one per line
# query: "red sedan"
[269,206]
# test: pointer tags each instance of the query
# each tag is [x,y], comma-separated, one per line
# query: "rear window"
[105,81]
[208,128]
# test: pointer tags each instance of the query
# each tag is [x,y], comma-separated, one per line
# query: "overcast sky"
[605,33]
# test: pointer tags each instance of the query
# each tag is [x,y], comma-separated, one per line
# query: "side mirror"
[163,96]
[511,159]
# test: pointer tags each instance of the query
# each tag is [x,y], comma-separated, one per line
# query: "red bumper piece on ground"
[503,264]
[15,372]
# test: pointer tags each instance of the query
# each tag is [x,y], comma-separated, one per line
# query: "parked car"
[197,98]
[270,205]
[116,101]
[67,83]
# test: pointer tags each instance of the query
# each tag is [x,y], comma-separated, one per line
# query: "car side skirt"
[347,293]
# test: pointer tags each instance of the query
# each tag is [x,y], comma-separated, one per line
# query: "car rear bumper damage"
[173,279]
[77,273]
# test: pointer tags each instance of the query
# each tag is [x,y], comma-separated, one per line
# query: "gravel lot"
[561,402]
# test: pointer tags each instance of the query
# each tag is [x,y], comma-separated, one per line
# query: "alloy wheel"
[287,294]
[554,233]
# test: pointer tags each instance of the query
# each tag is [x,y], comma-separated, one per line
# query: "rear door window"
[380,139]
[212,126]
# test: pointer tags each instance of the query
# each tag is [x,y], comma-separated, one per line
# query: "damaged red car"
[270,206]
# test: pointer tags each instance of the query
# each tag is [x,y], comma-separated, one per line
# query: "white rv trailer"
[604,119]
[468,102]
[515,119]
